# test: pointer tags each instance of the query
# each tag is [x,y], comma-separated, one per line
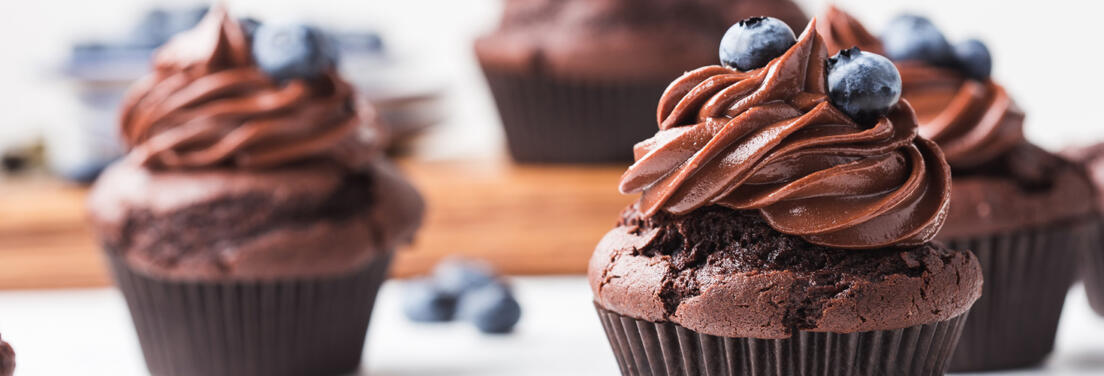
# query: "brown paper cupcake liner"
[300,326]
[1027,275]
[645,348]
[1092,267]
[551,120]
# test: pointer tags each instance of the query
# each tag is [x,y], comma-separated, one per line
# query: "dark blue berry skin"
[458,276]
[289,51]
[973,59]
[910,37]
[754,42]
[422,301]
[863,85]
[491,308]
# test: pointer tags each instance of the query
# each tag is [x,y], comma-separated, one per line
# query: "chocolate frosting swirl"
[769,139]
[207,104]
[974,122]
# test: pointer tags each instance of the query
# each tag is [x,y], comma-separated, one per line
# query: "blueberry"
[911,37]
[863,85]
[754,42]
[973,59]
[491,308]
[459,276]
[287,51]
[424,302]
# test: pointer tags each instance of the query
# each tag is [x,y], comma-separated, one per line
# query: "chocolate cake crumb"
[718,241]
[227,221]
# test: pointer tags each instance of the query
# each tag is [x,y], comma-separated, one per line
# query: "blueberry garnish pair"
[861,84]
[463,290]
[288,51]
[911,37]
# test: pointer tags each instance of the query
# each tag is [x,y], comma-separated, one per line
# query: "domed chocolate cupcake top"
[208,103]
[770,139]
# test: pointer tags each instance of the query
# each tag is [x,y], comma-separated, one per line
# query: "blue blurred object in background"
[99,72]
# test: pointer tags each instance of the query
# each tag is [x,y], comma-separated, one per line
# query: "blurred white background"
[1045,53]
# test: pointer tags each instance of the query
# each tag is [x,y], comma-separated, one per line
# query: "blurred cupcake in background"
[1021,209]
[576,80]
[1092,259]
[784,224]
[7,359]
[254,218]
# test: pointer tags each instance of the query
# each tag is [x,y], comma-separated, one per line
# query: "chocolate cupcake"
[777,235]
[253,219]
[1018,207]
[1092,257]
[574,79]
[7,359]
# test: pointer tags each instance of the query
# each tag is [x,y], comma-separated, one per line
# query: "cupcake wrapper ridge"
[551,120]
[645,348]
[1092,267]
[1027,276]
[298,326]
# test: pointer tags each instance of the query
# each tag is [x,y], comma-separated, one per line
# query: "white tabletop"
[88,332]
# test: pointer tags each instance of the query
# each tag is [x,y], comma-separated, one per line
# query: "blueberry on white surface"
[422,301]
[459,276]
[491,308]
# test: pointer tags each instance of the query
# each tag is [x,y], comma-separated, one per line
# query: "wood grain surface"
[523,219]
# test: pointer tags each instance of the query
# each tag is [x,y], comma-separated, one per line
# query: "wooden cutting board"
[523,219]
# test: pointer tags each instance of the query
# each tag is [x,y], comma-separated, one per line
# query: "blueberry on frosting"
[912,37]
[286,51]
[754,42]
[863,85]
[973,59]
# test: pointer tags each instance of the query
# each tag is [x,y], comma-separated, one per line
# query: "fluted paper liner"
[1092,267]
[298,326]
[552,120]
[1027,275]
[645,348]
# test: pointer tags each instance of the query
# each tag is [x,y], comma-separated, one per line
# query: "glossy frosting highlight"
[769,139]
[207,104]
